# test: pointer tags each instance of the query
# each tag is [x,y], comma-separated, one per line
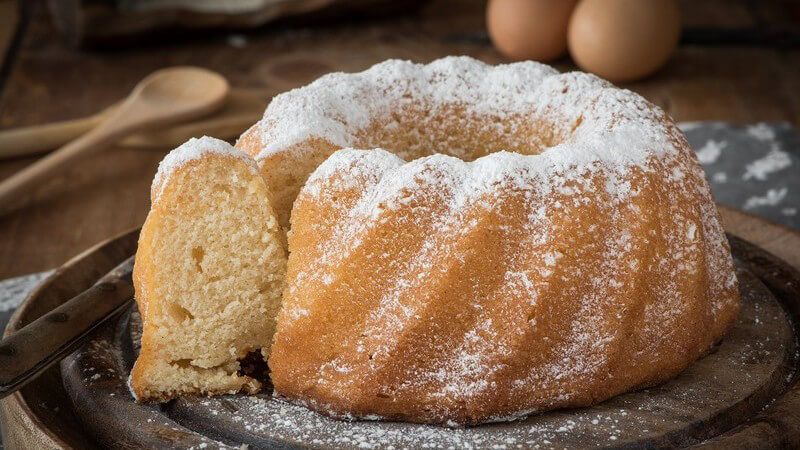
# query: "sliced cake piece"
[209,274]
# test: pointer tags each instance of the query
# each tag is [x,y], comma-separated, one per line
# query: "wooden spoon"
[243,108]
[36,139]
[166,96]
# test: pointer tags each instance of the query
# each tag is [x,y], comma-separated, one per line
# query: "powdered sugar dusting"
[606,150]
[193,149]
[633,419]
[741,365]
[612,124]
[467,370]
[337,105]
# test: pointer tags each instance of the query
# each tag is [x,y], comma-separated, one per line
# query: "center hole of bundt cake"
[414,132]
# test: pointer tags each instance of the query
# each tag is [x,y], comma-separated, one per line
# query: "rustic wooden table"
[45,81]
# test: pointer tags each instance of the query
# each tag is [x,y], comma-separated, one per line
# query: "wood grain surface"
[110,192]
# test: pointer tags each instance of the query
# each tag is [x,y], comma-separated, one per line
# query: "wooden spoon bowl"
[174,94]
[166,96]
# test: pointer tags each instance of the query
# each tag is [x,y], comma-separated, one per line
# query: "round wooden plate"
[743,394]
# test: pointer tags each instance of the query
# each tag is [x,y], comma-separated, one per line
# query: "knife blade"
[28,352]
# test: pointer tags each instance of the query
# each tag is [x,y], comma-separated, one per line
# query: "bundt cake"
[209,273]
[528,240]
[551,242]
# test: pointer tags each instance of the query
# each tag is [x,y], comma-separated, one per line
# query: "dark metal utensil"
[28,352]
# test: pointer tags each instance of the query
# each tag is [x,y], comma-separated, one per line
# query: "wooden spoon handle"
[39,139]
[16,189]
[243,108]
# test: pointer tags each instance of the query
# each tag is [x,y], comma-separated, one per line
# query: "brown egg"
[622,40]
[529,29]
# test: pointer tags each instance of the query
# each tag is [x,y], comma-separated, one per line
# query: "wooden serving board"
[744,394]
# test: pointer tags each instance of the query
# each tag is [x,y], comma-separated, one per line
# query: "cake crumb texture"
[209,274]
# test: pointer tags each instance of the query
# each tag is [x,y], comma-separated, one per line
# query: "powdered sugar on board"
[193,149]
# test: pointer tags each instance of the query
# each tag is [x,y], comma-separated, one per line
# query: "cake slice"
[209,274]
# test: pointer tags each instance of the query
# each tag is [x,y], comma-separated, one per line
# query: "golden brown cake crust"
[460,292]
[621,308]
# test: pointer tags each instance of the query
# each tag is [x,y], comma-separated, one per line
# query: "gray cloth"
[14,290]
[755,168]
[751,167]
